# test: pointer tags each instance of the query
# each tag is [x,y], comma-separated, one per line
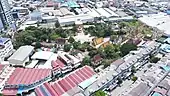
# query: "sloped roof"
[22,53]
[65,84]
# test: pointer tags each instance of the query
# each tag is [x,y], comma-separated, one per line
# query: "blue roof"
[3,40]
[167,40]
[165,47]
[156,94]
[72,4]
[166,68]
[168,12]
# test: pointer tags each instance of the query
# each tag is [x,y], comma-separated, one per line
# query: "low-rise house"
[134,41]
[60,42]
[69,59]
[21,56]
[59,65]
[97,60]
[139,90]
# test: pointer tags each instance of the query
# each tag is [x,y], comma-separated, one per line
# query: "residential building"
[97,59]
[6,48]
[21,56]
[60,42]
[5,13]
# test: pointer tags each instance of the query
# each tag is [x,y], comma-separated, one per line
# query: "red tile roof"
[9,92]
[57,63]
[38,92]
[58,89]
[1,67]
[70,81]
[160,90]
[27,76]
[97,58]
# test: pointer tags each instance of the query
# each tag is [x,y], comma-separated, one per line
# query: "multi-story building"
[5,13]
[6,48]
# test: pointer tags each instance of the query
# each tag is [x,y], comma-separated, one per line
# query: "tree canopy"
[154,59]
[86,61]
[100,30]
[126,48]
[38,45]
[34,34]
[71,39]
[67,47]
[100,93]
[134,78]
[57,24]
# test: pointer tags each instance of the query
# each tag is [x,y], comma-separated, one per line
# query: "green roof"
[161,39]
[88,82]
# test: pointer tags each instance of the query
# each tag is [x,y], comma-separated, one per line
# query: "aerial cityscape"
[85,48]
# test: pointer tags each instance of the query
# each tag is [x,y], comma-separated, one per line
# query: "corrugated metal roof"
[22,53]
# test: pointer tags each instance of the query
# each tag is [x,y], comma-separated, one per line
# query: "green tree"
[113,38]
[100,93]
[134,78]
[67,47]
[86,61]
[71,39]
[119,80]
[92,53]
[110,52]
[133,69]
[57,24]
[76,44]
[105,63]
[90,48]
[74,29]
[126,48]
[38,45]
[154,59]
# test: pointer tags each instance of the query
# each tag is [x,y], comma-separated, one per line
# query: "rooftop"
[3,40]
[27,76]
[22,53]
[42,55]
[64,85]
[160,21]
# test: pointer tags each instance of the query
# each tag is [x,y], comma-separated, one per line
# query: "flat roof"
[48,62]
[103,12]
[43,55]
[3,40]
[32,64]
[160,21]
[22,53]
[74,18]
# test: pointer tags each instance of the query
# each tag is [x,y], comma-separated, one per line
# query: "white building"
[6,48]
[21,56]
[6,11]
